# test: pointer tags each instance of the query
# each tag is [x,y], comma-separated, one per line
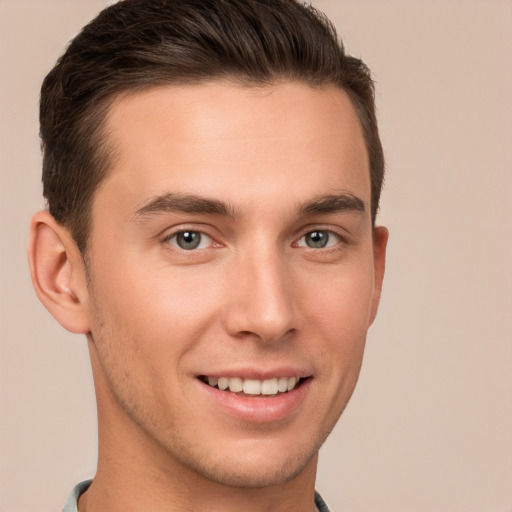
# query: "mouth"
[274,397]
[254,387]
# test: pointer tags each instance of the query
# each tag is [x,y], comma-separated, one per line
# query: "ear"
[380,242]
[58,272]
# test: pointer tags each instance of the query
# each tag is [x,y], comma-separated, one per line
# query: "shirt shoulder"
[320,503]
[72,503]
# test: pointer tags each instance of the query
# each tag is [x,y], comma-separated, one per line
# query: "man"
[213,171]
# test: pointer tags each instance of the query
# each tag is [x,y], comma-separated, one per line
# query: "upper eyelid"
[180,228]
[176,233]
[343,234]
[168,233]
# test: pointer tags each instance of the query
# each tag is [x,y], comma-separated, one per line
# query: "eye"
[319,239]
[189,240]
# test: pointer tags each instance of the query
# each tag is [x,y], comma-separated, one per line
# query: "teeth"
[269,387]
[291,383]
[236,384]
[282,384]
[223,383]
[254,386]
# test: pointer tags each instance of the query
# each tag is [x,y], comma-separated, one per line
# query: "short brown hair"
[137,44]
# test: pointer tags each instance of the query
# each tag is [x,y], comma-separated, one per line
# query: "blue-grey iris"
[317,239]
[188,240]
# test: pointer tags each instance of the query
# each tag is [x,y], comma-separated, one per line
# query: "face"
[234,273]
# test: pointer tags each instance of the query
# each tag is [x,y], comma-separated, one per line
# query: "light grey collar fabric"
[71,504]
[320,503]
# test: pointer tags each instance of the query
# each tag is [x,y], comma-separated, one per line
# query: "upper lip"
[259,373]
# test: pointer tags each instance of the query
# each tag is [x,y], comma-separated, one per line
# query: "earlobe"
[58,273]
[380,242]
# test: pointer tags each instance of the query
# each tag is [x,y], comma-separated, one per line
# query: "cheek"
[157,315]
[343,300]
[338,318]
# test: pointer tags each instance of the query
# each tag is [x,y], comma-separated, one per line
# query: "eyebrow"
[193,204]
[333,203]
[184,203]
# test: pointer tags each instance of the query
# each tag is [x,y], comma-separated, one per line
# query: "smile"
[241,395]
[253,387]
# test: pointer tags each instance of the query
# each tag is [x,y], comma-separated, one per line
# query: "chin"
[250,463]
[256,474]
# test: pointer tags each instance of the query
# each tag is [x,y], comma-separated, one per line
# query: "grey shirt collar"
[72,503]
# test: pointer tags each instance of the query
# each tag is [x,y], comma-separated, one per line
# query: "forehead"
[214,139]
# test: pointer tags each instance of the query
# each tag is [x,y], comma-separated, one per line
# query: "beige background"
[430,426]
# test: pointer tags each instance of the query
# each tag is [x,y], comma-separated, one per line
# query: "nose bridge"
[262,303]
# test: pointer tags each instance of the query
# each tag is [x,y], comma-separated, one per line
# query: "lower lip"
[258,409]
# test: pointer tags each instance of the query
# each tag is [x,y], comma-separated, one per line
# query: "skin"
[283,161]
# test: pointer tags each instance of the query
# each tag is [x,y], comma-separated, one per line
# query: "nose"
[261,295]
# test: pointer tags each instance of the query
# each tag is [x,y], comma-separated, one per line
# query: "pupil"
[188,240]
[317,239]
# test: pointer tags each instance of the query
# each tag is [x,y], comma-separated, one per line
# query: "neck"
[127,481]
[135,473]
[179,496]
